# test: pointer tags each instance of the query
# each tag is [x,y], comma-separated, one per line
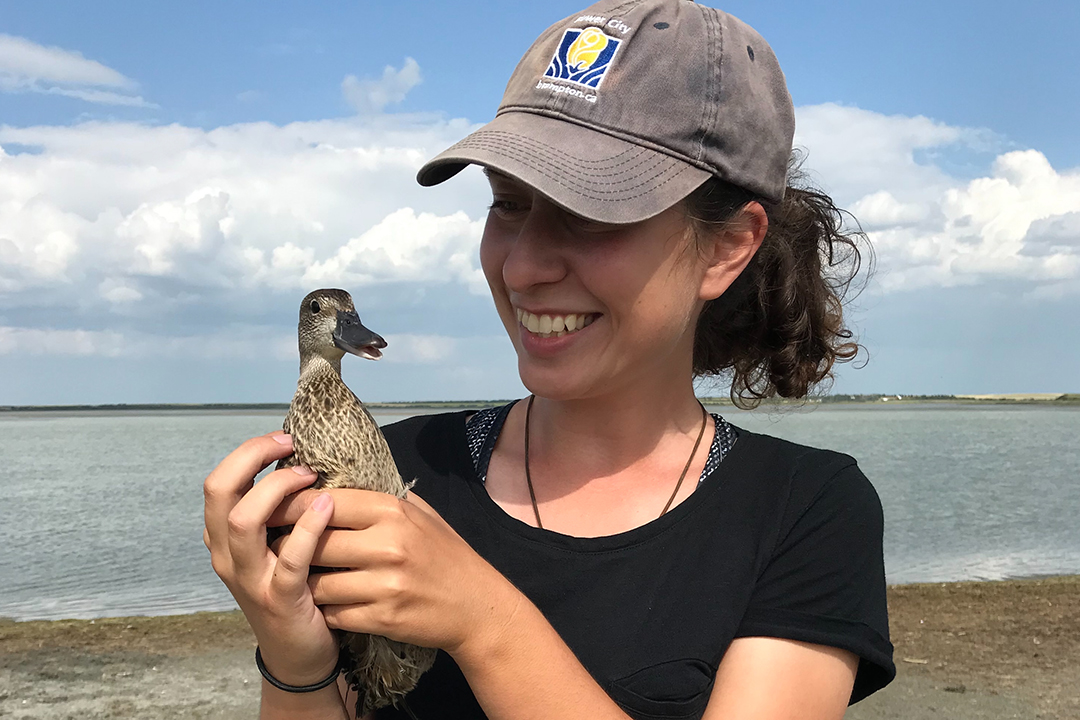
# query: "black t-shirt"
[781,540]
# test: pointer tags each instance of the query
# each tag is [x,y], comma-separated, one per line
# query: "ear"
[728,250]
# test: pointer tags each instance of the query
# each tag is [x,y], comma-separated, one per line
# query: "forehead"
[496,177]
[501,182]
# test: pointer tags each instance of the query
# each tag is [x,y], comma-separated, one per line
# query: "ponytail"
[779,329]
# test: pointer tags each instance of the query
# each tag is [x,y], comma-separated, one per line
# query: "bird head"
[330,327]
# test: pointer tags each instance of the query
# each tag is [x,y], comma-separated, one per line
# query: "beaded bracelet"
[294,688]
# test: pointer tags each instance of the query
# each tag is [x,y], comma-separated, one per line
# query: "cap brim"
[589,173]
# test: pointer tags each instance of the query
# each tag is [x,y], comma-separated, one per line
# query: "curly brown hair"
[779,329]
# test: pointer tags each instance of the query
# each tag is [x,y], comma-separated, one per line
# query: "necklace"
[528,476]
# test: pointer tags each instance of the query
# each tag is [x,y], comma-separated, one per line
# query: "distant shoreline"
[1045,399]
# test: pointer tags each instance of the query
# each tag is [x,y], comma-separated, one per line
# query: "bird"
[335,435]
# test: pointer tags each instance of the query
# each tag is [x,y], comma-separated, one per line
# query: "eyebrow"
[494,176]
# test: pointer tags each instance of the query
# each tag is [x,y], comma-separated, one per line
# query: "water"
[970,493]
[102,514]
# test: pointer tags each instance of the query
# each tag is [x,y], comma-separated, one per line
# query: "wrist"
[327,681]
[283,666]
[500,614]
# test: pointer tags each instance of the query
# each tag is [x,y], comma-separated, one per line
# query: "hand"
[408,576]
[271,589]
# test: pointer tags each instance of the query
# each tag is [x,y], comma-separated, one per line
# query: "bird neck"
[315,364]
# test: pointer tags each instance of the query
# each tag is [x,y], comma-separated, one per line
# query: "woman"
[606,548]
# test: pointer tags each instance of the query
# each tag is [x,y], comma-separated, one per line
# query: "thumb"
[294,559]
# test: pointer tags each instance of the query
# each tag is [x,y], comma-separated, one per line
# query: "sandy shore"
[964,650]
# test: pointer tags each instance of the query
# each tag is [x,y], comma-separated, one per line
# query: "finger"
[353,618]
[247,520]
[373,547]
[292,507]
[233,477]
[353,509]
[294,558]
[343,587]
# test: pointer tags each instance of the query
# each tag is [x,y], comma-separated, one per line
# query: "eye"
[590,227]
[506,208]
[315,307]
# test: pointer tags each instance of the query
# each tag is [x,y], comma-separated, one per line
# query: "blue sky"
[175,177]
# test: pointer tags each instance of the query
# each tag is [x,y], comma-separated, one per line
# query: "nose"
[535,256]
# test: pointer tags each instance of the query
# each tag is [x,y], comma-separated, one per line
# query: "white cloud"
[930,228]
[238,343]
[244,206]
[26,66]
[856,152]
[118,293]
[21,58]
[229,343]
[37,341]
[1060,233]
[881,209]
[372,96]
[421,349]
[151,224]
[407,246]
[102,97]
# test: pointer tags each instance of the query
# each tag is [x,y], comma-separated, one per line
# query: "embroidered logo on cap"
[583,57]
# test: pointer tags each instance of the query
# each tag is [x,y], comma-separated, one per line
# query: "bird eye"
[315,306]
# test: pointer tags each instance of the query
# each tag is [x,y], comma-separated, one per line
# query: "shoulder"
[821,572]
[801,474]
[770,452]
[413,426]
[423,444]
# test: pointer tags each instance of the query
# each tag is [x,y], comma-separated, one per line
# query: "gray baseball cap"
[620,111]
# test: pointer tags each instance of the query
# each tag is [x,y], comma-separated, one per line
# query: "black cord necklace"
[528,475]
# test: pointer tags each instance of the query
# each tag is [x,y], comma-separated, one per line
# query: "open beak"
[351,336]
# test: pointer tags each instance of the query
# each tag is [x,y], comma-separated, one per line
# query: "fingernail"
[302,470]
[283,439]
[321,502]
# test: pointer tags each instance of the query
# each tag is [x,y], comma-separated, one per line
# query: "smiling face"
[591,309]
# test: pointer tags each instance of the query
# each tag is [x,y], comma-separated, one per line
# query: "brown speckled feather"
[335,435]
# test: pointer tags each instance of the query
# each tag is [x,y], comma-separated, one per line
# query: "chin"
[556,384]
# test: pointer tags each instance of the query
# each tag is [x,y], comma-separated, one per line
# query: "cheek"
[670,302]
[492,257]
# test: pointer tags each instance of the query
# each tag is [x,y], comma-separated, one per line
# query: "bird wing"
[291,460]
[334,434]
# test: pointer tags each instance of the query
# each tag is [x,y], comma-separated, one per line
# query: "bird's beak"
[351,336]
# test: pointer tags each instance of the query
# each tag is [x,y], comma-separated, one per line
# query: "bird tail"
[383,671]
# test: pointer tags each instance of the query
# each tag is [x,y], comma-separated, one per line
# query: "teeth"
[554,325]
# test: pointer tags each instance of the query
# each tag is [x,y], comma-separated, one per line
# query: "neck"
[599,468]
[605,435]
[624,421]
[312,362]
